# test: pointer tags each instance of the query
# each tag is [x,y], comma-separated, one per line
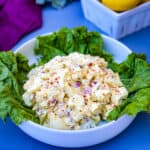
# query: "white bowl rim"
[81,130]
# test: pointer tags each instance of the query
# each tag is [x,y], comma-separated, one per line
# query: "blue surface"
[135,137]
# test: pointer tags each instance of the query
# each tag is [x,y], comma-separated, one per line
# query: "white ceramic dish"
[115,24]
[79,138]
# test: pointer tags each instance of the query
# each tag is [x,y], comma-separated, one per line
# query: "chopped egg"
[73,92]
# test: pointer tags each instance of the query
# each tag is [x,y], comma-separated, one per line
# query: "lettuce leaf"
[135,74]
[13,73]
[66,41]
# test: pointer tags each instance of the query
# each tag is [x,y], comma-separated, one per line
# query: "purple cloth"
[2,3]
[17,18]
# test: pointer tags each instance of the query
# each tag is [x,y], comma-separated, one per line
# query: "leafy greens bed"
[134,73]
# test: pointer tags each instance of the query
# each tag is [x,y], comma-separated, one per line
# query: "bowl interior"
[118,50]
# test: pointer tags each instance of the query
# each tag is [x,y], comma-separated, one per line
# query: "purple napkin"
[17,18]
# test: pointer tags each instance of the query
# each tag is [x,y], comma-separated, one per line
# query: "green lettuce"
[135,75]
[66,41]
[13,74]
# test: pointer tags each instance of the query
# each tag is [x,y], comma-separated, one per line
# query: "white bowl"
[78,138]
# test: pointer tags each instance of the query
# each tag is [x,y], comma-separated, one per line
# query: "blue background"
[135,137]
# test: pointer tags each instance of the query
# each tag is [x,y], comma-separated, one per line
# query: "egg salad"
[73,92]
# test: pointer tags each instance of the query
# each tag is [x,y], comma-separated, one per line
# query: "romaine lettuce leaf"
[67,40]
[13,73]
[135,74]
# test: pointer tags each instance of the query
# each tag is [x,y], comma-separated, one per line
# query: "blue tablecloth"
[135,137]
